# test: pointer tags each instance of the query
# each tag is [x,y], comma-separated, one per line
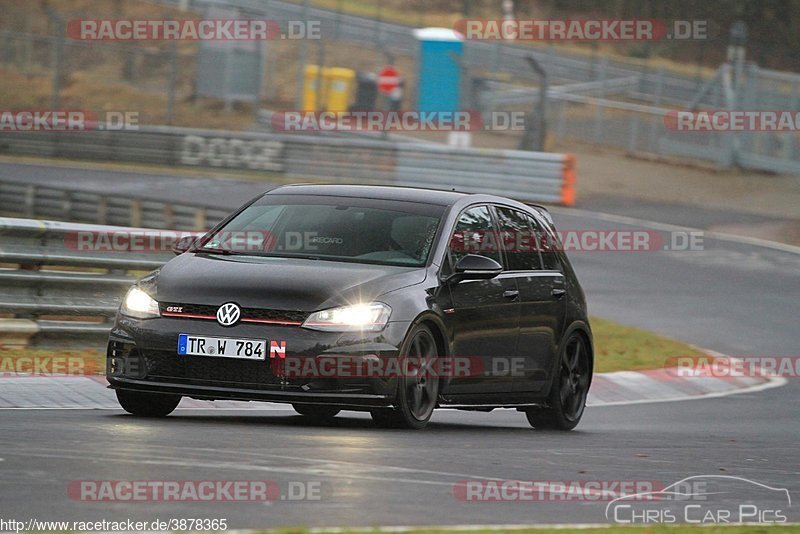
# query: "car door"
[484,313]
[541,294]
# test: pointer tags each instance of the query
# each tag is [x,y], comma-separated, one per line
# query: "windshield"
[331,228]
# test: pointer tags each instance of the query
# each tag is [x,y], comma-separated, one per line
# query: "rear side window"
[547,243]
[518,240]
[474,234]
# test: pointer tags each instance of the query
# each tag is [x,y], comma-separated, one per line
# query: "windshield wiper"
[222,251]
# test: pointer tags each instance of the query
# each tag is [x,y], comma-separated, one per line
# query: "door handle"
[511,294]
[558,292]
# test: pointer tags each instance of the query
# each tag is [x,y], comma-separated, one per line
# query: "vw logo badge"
[228,314]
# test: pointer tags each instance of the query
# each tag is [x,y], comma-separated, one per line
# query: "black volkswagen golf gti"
[390,300]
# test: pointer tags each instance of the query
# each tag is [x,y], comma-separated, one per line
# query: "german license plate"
[224,347]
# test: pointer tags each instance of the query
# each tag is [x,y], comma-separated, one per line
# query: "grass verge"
[625,348]
[617,348]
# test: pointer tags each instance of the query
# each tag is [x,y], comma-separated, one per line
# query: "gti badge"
[228,314]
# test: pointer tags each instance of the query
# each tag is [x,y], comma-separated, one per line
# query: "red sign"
[388,79]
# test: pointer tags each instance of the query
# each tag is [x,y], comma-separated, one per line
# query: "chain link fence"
[56,72]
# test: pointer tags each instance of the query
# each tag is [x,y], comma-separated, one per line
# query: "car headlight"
[139,304]
[371,317]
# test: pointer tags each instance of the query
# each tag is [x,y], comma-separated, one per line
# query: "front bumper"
[142,355]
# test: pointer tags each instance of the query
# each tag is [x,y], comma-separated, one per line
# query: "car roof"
[380,192]
[393,192]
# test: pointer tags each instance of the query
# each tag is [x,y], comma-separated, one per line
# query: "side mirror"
[475,267]
[184,243]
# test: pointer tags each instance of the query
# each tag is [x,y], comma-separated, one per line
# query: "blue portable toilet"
[438,75]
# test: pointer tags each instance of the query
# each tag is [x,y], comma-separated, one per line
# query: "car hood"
[276,283]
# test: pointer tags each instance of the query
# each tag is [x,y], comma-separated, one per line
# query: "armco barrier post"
[102,210]
[136,213]
[66,205]
[568,180]
[30,201]
[169,216]
[200,220]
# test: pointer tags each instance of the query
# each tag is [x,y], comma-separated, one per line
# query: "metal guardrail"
[38,201]
[525,176]
[52,288]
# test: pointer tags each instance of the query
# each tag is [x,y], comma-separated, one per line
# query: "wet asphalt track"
[732,297]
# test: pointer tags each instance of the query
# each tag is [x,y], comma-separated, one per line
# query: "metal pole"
[600,112]
[27,51]
[634,134]
[268,73]
[266,85]
[736,53]
[534,140]
[227,69]
[301,63]
[464,96]
[378,21]
[378,35]
[562,121]
[320,65]
[789,136]
[173,81]
[655,127]
[262,59]
[747,98]
[267,65]
[58,59]
[738,38]
[338,19]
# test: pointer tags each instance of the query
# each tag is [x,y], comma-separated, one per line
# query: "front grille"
[274,315]
[248,314]
[209,370]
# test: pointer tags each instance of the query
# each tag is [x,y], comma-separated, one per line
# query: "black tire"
[417,389]
[316,411]
[567,398]
[147,404]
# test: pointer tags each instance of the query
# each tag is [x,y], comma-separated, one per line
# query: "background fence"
[594,97]
[630,114]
